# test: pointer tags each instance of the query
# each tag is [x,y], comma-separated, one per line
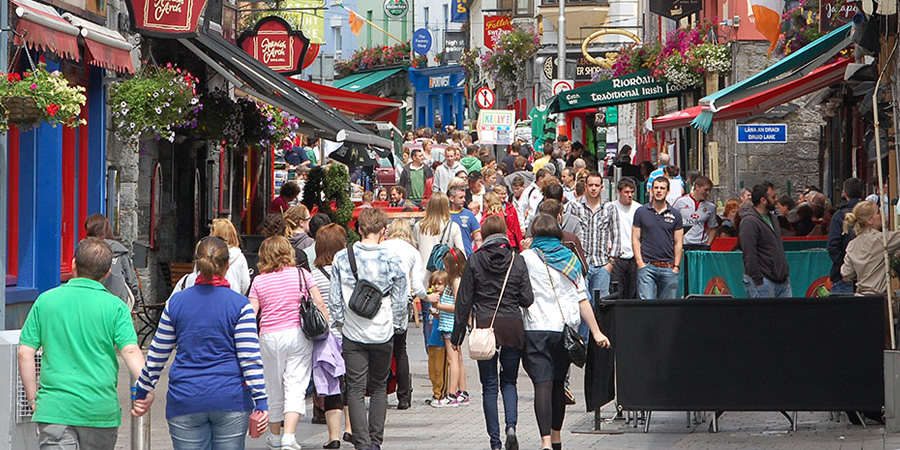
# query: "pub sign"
[273,43]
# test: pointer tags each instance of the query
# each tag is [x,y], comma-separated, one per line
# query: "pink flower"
[33,86]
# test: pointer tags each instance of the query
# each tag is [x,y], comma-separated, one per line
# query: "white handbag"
[482,342]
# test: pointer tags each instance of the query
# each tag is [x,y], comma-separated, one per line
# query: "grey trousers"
[368,369]
[66,437]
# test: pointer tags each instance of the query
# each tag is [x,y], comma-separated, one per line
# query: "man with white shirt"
[446,171]
[568,184]
[526,200]
[698,215]
[624,270]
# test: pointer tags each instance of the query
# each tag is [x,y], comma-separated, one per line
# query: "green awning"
[801,62]
[631,88]
[360,81]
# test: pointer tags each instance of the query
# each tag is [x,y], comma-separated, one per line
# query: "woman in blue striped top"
[217,377]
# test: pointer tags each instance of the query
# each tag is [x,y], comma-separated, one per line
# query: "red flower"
[52,109]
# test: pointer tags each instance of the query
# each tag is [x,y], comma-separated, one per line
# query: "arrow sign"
[484,97]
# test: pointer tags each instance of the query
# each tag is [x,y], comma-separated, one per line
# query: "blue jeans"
[597,281]
[509,372]
[768,289]
[656,282]
[220,430]
[842,288]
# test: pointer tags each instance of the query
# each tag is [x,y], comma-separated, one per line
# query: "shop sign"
[396,9]
[165,18]
[496,126]
[421,41]
[762,133]
[635,87]
[454,45]
[309,17]
[273,43]
[834,13]
[439,82]
[584,69]
[460,11]
[675,9]
[494,27]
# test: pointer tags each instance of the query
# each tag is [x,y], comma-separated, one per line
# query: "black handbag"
[312,321]
[572,341]
[366,298]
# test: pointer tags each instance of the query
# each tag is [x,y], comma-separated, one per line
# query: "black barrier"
[797,354]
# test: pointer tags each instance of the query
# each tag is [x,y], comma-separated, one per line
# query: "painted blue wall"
[439,89]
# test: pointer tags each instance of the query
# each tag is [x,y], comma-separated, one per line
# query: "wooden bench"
[177,270]
[149,313]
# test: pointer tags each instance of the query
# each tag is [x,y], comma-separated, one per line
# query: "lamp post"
[561,62]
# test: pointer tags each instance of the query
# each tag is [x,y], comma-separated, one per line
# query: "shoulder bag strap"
[553,286]
[327,276]
[303,290]
[502,289]
[444,233]
[352,262]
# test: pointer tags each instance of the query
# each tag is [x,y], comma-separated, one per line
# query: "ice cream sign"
[273,43]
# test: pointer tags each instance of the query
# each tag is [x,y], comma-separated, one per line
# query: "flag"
[768,18]
[356,23]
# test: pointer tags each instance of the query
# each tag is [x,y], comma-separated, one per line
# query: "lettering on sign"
[762,133]
[835,13]
[273,43]
[165,18]
[439,82]
[494,27]
[161,8]
[273,50]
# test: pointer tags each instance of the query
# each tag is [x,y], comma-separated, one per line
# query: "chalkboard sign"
[806,354]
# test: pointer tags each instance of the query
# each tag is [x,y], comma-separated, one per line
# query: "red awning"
[755,104]
[41,26]
[106,48]
[354,104]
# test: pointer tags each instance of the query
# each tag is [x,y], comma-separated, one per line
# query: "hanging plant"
[506,62]
[213,119]
[159,100]
[40,96]
[376,57]
[800,26]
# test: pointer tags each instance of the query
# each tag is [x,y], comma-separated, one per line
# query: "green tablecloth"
[714,273]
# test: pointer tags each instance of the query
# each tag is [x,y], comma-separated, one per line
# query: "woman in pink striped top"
[286,352]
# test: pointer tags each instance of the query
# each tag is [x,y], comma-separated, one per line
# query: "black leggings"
[549,405]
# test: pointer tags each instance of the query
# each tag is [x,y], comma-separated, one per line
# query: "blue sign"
[421,41]
[762,133]
[460,11]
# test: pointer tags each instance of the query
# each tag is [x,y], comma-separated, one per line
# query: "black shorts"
[545,357]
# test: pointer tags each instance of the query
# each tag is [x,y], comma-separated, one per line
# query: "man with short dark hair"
[699,215]
[471,161]
[624,271]
[567,179]
[599,234]
[854,188]
[415,176]
[367,343]
[766,268]
[398,198]
[79,326]
[657,239]
[526,199]
[475,193]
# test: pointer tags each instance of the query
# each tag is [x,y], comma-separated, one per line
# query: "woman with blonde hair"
[399,240]
[286,352]
[436,228]
[495,206]
[238,273]
[864,260]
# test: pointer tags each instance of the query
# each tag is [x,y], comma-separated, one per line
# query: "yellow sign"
[310,17]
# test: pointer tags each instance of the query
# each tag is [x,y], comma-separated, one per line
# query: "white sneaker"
[289,441]
[446,402]
[273,442]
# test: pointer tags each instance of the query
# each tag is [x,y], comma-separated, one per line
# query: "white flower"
[124,104]
[131,125]
[194,101]
[158,110]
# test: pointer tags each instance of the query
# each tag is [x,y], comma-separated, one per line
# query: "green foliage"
[312,190]
[58,101]
[506,63]
[337,181]
[157,100]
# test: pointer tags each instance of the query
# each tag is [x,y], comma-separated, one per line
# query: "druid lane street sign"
[762,133]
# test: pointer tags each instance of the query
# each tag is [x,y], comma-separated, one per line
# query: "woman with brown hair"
[331,239]
[217,377]
[121,281]
[286,352]
[297,220]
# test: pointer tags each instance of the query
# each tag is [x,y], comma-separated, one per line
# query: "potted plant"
[40,96]
[158,100]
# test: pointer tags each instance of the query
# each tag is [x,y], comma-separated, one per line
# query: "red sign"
[165,18]
[273,43]
[484,96]
[494,27]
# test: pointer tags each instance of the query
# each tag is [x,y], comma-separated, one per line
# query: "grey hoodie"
[121,281]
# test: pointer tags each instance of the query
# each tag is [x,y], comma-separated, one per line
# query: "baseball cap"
[474,175]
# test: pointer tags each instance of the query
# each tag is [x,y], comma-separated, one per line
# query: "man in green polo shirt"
[79,326]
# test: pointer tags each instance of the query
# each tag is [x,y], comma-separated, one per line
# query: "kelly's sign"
[273,43]
[165,18]
[635,87]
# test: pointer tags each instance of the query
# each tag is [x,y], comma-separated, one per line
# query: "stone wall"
[796,161]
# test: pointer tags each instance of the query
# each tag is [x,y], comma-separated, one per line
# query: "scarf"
[217,280]
[552,252]
[495,239]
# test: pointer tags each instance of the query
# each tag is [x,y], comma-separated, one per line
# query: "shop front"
[440,93]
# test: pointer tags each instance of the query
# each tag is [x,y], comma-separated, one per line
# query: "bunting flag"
[767,15]
[356,23]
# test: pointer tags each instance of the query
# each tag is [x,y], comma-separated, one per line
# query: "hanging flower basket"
[39,96]
[22,111]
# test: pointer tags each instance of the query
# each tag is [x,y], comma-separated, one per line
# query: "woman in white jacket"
[436,228]
[238,274]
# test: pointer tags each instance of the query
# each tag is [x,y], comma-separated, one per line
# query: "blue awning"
[801,62]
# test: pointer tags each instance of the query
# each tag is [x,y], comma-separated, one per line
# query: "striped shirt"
[218,365]
[279,298]
[446,319]
[599,234]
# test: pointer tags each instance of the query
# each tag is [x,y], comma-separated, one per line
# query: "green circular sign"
[396,9]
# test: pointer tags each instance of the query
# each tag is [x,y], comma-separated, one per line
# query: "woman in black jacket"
[479,292]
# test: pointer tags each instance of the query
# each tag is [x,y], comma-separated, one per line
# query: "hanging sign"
[460,11]
[165,18]
[494,27]
[273,43]
[307,16]
[396,9]
[496,126]
[421,41]
[675,9]
[632,88]
[834,13]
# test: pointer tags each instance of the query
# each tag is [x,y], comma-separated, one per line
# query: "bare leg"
[333,422]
